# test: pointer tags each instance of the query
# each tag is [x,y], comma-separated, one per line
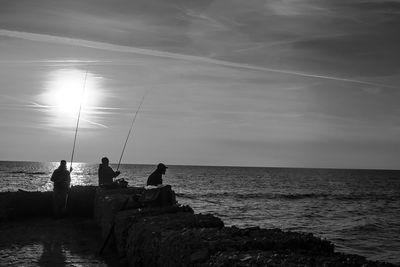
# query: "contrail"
[290,41]
[156,53]
[94,123]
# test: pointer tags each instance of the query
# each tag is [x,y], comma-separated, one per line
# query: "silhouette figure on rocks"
[61,179]
[106,174]
[156,177]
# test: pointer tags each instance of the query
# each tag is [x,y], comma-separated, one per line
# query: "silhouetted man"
[106,174]
[156,177]
[61,179]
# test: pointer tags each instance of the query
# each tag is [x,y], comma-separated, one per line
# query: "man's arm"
[116,173]
[53,176]
[111,173]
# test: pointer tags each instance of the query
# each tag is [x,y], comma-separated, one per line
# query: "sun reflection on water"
[79,174]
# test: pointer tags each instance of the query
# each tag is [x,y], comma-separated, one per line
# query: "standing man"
[61,179]
[106,174]
[156,177]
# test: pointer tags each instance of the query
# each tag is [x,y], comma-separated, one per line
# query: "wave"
[369,227]
[16,172]
[364,228]
[294,196]
[29,173]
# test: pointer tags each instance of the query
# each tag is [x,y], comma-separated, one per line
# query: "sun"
[68,90]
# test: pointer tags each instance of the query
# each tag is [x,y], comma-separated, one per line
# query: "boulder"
[108,202]
[124,220]
[149,236]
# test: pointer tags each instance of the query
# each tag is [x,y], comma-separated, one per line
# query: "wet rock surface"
[49,242]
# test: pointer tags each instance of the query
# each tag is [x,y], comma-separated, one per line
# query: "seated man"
[156,177]
[106,174]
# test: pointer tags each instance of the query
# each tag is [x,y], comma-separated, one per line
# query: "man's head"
[105,160]
[63,164]
[162,168]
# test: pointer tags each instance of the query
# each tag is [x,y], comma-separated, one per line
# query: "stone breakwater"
[147,228]
[163,234]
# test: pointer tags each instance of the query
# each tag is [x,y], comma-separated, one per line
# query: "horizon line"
[217,166]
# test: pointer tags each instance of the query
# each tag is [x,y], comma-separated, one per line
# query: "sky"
[272,83]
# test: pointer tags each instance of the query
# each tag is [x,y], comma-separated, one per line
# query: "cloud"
[365,49]
[364,54]
[155,53]
[308,36]
[276,80]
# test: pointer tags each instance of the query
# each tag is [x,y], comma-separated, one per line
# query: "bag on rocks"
[161,196]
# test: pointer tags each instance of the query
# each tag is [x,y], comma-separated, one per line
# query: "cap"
[161,166]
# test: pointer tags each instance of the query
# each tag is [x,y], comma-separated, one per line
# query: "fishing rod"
[77,122]
[130,130]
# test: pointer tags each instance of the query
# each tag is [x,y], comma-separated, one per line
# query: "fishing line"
[130,130]
[77,122]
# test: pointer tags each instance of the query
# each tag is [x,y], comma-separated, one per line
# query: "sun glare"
[66,91]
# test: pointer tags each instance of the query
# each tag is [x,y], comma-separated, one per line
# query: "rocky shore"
[148,228]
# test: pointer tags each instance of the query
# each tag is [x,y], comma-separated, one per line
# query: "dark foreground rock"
[148,228]
[173,236]
[47,242]
[26,204]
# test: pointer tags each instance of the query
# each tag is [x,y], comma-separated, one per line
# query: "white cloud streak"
[156,53]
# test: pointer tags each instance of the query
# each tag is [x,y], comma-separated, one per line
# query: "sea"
[358,210]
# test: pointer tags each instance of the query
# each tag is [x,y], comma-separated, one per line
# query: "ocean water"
[358,210]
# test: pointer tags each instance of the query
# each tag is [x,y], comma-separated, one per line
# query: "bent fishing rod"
[77,122]
[130,130]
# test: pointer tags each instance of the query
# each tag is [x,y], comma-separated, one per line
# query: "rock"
[113,197]
[156,240]
[162,196]
[200,255]
[81,201]
[26,204]
[160,233]
[108,202]
[124,220]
